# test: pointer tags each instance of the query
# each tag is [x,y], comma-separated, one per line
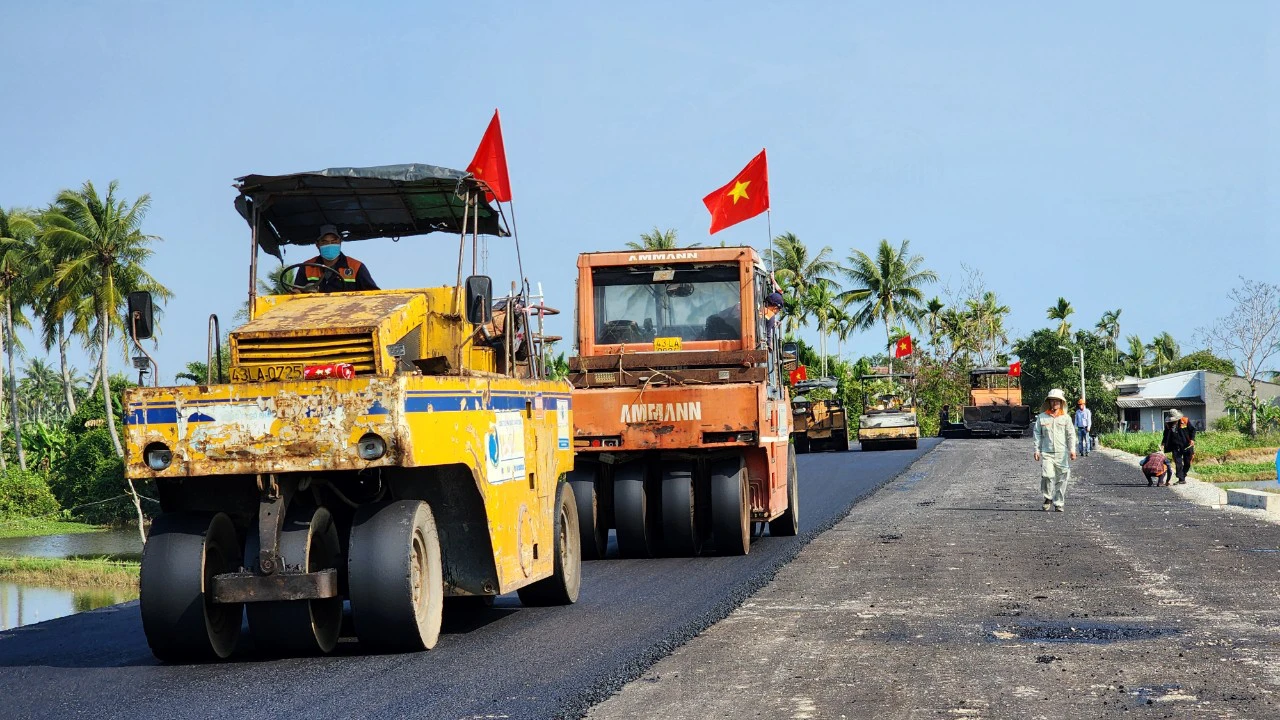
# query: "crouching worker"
[1055,441]
[1156,467]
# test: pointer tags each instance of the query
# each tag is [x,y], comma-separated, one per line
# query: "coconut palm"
[62,314]
[1061,312]
[886,288]
[933,321]
[821,303]
[1164,351]
[17,254]
[658,240]
[987,316]
[1109,327]
[101,251]
[1135,359]
[791,264]
[841,323]
[39,391]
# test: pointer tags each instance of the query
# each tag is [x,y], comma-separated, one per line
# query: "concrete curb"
[1196,490]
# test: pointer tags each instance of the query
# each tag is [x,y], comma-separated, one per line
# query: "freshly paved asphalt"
[508,662]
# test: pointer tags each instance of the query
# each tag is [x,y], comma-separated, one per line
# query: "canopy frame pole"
[253,262]
[462,250]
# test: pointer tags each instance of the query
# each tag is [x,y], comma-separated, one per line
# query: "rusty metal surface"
[625,378]
[247,587]
[688,359]
[323,314]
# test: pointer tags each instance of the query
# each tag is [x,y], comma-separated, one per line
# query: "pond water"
[123,543]
[27,604]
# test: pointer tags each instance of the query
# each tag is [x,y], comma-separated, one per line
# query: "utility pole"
[1077,360]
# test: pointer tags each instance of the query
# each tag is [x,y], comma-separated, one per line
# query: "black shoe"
[1058,508]
[1181,482]
[1150,483]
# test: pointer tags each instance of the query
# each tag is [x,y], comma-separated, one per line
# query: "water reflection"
[26,604]
[97,544]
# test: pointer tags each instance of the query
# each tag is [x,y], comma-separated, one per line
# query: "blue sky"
[1120,155]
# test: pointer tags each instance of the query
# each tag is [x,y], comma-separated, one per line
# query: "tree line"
[66,270]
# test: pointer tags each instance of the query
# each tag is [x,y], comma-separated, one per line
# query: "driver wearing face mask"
[347,273]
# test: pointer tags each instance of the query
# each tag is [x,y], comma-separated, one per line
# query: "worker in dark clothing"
[1180,440]
[347,273]
[944,419]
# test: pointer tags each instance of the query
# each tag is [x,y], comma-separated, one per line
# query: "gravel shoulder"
[949,593]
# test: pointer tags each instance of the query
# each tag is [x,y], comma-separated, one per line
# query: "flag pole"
[768,220]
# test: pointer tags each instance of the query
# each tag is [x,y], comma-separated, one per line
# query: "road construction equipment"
[888,419]
[681,407]
[995,406]
[393,449]
[818,423]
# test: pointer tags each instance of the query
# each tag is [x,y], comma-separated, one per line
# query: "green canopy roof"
[364,203]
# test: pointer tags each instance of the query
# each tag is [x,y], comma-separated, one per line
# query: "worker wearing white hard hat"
[1055,448]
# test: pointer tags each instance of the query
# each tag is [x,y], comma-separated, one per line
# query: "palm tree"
[658,240]
[1061,312]
[887,287]
[933,321]
[1109,327]
[841,323]
[820,301]
[1164,350]
[40,389]
[101,252]
[17,253]
[62,314]
[791,264]
[1135,359]
[987,315]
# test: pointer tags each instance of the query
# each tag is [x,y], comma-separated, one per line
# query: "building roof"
[1143,402]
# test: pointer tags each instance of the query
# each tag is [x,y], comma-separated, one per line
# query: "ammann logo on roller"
[662,257]
[661,412]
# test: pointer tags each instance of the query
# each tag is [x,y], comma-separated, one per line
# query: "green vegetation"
[65,273]
[1221,457]
[95,573]
[11,527]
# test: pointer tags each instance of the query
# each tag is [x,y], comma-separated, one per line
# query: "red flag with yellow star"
[903,348]
[742,198]
[490,162]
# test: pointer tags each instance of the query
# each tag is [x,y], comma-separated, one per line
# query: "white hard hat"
[1056,394]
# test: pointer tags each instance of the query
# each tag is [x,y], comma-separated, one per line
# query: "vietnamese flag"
[742,198]
[799,374]
[903,348]
[1015,369]
[490,162]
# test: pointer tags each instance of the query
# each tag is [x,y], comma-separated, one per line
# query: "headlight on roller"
[371,447]
[158,456]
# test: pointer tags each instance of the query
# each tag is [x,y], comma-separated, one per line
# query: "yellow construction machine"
[389,448]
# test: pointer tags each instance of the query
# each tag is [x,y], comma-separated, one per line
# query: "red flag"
[742,198]
[799,374]
[903,348]
[490,162]
[1015,369]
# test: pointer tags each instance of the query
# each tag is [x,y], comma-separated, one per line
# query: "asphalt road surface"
[507,662]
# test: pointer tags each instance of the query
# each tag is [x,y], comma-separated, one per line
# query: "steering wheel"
[292,285]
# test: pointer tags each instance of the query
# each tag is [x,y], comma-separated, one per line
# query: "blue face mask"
[330,252]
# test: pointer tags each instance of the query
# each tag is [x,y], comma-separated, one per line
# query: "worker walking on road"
[1180,440]
[1084,425]
[1055,441]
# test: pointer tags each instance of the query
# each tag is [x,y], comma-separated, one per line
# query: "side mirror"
[140,322]
[479,293]
[790,348]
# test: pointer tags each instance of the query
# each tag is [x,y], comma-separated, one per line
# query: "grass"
[1237,486]
[12,527]
[91,573]
[1221,457]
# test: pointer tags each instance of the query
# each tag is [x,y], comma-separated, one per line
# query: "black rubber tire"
[184,551]
[593,532]
[308,539]
[681,528]
[633,515]
[802,443]
[871,445]
[788,523]
[843,444]
[913,444]
[395,576]
[730,507]
[566,579]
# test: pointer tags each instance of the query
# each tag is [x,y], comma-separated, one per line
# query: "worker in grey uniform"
[1055,440]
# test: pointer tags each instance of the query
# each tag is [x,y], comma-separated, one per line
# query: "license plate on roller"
[286,372]
[667,344]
